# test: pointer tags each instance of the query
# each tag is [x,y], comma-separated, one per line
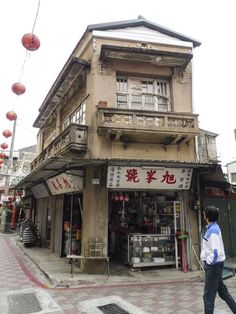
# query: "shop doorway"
[142,227]
[72,224]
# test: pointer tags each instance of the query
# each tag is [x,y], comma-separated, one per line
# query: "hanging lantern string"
[18,88]
[32,43]
[36,16]
[27,56]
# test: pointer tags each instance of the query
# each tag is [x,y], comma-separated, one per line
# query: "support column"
[95,215]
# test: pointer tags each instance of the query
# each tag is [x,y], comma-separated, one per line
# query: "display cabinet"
[151,249]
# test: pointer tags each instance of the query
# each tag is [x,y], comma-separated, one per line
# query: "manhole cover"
[23,303]
[112,309]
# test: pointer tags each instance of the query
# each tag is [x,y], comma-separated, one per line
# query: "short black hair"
[211,213]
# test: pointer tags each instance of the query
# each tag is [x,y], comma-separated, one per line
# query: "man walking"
[213,256]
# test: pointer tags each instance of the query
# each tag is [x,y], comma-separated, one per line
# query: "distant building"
[21,166]
[231,172]
[206,143]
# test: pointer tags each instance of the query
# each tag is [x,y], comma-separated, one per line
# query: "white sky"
[60,25]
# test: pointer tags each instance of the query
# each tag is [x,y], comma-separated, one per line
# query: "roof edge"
[144,22]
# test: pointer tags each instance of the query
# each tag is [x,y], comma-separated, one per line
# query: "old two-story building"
[117,168]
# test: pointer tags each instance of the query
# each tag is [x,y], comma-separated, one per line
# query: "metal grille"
[112,309]
[23,303]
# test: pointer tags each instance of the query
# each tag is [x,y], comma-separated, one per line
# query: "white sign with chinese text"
[65,183]
[149,178]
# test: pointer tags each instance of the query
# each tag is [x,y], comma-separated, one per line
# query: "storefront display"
[72,245]
[145,226]
[150,249]
[72,225]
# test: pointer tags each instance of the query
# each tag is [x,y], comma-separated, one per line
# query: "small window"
[147,87]
[150,102]
[122,101]
[163,104]
[122,85]
[136,102]
[162,89]
[80,114]
[77,117]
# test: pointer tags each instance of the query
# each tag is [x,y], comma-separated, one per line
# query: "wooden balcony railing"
[136,123]
[73,138]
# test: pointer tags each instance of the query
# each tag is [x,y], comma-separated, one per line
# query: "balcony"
[72,140]
[135,126]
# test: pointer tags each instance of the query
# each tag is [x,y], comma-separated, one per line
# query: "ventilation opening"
[112,308]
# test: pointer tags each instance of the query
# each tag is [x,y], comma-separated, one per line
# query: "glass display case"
[151,249]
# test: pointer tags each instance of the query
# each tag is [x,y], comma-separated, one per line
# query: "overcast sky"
[61,23]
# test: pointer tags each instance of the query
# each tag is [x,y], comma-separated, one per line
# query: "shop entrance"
[72,224]
[142,227]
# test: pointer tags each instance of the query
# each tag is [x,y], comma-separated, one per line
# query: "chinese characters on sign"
[151,178]
[65,183]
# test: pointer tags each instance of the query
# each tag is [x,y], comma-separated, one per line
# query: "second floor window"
[77,117]
[143,94]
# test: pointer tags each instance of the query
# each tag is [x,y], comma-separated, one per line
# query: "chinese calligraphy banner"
[65,183]
[149,178]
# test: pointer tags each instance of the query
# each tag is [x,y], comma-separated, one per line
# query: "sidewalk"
[58,271]
[156,291]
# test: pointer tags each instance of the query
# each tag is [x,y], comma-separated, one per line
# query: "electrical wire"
[36,16]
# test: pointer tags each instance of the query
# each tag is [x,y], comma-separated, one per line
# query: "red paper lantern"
[18,88]
[2,155]
[126,198]
[116,197]
[121,197]
[4,145]
[7,133]
[30,42]
[11,115]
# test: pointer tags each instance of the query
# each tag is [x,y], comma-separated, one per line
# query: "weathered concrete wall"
[95,215]
[57,225]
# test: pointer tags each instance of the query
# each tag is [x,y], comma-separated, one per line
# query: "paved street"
[20,276]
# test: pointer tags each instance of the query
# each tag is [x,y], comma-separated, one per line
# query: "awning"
[49,168]
[56,165]
[214,176]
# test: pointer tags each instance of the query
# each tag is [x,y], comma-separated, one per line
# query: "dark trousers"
[213,284]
